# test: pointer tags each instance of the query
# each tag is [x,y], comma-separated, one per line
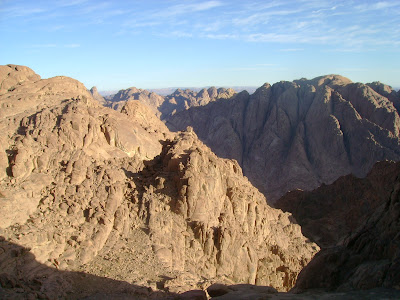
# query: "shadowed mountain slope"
[357,223]
[166,106]
[299,134]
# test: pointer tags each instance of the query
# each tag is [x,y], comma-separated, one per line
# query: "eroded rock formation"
[97,96]
[360,238]
[165,107]
[299,134]
[86,188]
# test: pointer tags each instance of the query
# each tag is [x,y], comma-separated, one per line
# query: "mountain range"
[100,199]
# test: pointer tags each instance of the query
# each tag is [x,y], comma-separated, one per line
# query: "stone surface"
[85,188]
[299,134]
[166,106]
[97,96]
[386,91]
[361,249]
[13,75]
[330,213]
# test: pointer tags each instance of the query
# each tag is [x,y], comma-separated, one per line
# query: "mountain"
[169,91]
[356,222]
[164,107]
[330,213]
[92,197]
[97,96]
[298,135]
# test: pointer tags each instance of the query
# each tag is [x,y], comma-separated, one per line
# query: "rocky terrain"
[330,213]
[101,203]
[166,106]
[97,96]
[96,201]
[300,134]
[357,224]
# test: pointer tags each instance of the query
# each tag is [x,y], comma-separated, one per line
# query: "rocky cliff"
[330,213]
[299,134]
[115,194]
[165,107]
[97,96]
[357,223]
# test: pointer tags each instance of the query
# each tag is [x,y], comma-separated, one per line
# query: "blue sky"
[154,44]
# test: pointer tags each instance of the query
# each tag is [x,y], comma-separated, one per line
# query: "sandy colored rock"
[166,106]
[298,135]
[13,75]
[115,195]
[97,96]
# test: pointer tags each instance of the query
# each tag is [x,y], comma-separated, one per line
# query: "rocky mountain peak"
[12,75]
[212,92]
[315,129]
[97,96]
[331,80]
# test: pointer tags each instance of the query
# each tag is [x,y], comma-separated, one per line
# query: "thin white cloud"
[19,11]
[177,34]
[292,50]
[66,3]
[263,18]
[377,5]
[72,46]
[43,46]
[182,9]
[220,36]
[266,65]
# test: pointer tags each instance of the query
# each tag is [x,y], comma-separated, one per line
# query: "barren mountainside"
[356,223]
[84,188]
[166,106]
[300,134]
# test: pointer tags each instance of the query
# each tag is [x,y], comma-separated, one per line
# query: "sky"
[157,44]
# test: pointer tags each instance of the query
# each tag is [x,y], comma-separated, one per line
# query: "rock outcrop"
[115,194]
[152,100]
[386,91]
[299,134]
[330,213]
[97,96]
[360,238]
[165,107]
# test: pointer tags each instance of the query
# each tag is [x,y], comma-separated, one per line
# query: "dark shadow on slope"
[23,277]
[364,252]
[332,212]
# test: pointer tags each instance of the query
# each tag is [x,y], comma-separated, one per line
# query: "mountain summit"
[300,134]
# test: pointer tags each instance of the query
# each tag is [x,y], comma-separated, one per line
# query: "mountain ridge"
[286,119]
[116,194]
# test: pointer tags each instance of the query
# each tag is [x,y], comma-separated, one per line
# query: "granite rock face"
[166,106]
[229,230]
[365,249]
[386,91]
[299,134]
[115,194]
[330,213]
[97,96]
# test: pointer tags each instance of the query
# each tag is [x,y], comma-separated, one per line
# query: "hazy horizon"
[159,44]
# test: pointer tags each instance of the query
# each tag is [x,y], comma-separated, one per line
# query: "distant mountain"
[166,106]
[97,96]
[171,90]
[300,134]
